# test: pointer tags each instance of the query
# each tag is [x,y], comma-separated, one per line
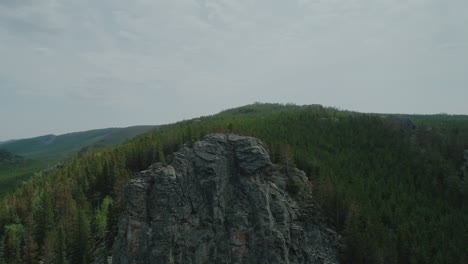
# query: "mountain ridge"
[42,152]
[53,146]
[393,188]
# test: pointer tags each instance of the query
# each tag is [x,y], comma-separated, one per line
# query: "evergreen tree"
[31,248]
[61,248]
[2,250]
[14,242]
[43,215]
[81,240]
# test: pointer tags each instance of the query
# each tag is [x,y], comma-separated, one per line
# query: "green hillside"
[394,186]
[42,152]
[54,147]
[7,141]
[11,174]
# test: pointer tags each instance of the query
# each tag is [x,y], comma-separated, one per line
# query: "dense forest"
[394,186]
[32,155]
[14,168]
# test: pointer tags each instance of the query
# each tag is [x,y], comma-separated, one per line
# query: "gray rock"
[222,201]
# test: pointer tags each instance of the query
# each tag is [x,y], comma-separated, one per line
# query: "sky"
[74,65]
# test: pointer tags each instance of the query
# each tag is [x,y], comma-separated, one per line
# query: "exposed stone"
[222,201]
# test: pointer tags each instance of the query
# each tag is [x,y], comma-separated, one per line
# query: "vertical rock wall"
[222,201]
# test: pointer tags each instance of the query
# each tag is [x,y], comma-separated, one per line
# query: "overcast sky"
[72,65]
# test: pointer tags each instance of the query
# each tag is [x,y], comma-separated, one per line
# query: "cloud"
[134,53]
[31,17]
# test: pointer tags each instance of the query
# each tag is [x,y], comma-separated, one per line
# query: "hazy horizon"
[72,65]
[188,118]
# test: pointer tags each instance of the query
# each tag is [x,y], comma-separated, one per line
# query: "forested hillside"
[14,168]
[41,153]
[54,147]
[394,186]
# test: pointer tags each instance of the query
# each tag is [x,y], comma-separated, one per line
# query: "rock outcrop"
[222,201]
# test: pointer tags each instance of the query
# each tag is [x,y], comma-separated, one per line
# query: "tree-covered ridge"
[40,153]
[395,192]
[52,147]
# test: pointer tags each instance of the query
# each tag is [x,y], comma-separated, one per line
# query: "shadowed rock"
[222,201]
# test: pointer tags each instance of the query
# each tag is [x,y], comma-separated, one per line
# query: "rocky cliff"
[222,201]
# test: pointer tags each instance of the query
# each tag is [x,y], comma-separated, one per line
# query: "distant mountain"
[6,141]
[21,158]
[52,147]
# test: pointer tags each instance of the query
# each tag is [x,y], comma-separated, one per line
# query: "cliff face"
[222,201]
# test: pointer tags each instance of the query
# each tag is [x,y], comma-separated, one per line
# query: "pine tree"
[161,156]
[60,247]
[13,243]
[101,218]
[81,239]
[287,158]
[43,215]
[2,250]
[31,249]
